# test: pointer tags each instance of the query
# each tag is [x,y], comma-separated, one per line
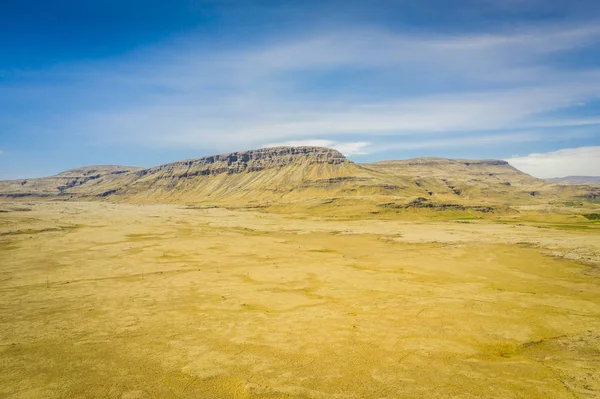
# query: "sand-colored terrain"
[100,300]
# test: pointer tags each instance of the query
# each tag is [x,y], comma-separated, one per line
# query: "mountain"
[476,180]
[575,180]
[305,176]
[248,176]
[72,182]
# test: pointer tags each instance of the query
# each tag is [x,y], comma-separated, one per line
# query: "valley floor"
[99,300]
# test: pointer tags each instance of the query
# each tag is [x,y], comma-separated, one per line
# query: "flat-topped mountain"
[488,170]
[248,176]
[248,161]
[473,180]
[310,175]
[444,161]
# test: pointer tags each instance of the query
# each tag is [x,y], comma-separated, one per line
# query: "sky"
[149,82]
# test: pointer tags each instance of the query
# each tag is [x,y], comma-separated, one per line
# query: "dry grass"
[158,301]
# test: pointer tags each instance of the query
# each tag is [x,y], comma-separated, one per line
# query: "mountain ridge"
[299,174]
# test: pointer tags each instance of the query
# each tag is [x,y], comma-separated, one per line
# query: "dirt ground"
[100,300]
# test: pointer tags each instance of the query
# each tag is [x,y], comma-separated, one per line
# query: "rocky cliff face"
[248,161]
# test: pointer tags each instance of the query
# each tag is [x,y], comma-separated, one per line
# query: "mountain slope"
[264,174]
[88,180]
[309,176]
[459,180]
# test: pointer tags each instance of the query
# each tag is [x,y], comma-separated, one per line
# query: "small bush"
[592,216]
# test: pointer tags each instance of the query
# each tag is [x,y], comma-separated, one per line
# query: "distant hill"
[576,180]
[67,183]
[306,176]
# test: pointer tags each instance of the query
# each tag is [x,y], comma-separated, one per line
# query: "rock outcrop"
[248,161]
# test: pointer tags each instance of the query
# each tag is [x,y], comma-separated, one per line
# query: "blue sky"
[143,83]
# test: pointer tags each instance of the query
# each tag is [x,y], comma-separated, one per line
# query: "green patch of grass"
[323,250]
[592,216]
[572,203]
[569,226]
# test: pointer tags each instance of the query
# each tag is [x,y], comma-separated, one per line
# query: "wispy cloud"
[342,88]
[582,161]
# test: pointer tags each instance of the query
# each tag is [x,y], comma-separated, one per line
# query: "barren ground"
[157,301]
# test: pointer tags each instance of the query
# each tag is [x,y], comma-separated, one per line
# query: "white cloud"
[582,161]
[190,94]
[260,87]
[346,148]
[478,140]
[461,141]
[505,110]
